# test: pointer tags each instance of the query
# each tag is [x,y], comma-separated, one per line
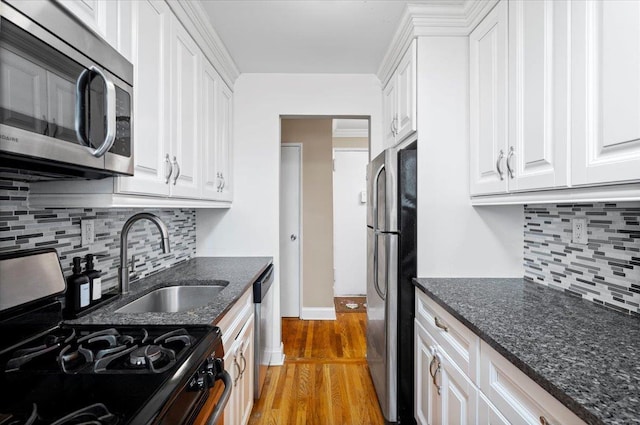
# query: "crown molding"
[434,19]
[350,132]
[193,17]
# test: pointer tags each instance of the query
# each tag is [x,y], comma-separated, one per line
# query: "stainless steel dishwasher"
[263,302]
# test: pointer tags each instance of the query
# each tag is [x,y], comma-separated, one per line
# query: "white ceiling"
[307,36]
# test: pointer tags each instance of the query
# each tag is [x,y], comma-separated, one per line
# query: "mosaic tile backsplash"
[59,228]
[605,271]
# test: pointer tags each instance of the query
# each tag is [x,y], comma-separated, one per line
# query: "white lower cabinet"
[446,393]
[237,328]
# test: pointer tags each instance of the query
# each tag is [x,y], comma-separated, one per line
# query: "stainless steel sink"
[173,299]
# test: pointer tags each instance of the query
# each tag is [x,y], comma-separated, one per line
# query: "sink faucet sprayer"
[123,270]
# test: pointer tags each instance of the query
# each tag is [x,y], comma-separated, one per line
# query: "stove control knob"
[199,382]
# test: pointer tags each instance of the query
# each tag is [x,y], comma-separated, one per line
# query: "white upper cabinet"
[488,109]
[152,166]
[605,95]
[109,19]
[217,107]
[567,112]
[185,96]
[538,94]
[399,100]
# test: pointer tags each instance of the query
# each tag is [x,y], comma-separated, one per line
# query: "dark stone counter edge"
[560,395]
[120,300]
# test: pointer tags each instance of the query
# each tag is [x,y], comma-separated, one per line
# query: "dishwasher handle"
[226,393]
[262,285]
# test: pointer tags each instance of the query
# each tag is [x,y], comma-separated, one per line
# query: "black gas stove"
[53,373]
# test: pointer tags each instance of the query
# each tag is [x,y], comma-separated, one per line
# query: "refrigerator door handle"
[376,280]
[374,189]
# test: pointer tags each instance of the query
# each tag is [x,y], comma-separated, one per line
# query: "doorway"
[307,251]
[350,221]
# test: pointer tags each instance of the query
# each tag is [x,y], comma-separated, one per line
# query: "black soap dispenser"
[94,279]
[78,289]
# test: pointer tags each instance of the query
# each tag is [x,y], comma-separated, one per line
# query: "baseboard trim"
[318,313]
[277,356]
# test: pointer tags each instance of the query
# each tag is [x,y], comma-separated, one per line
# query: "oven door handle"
[224,398]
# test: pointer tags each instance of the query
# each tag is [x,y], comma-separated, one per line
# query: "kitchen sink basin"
[173,299]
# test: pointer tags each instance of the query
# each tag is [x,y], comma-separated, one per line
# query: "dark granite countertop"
[240,272]
[585,355]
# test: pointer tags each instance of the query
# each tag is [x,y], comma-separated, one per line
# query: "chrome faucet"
[123,270]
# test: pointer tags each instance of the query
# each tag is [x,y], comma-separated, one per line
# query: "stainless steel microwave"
[65,95]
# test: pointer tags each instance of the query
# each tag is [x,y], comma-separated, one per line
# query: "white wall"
[454,238]
[251,226]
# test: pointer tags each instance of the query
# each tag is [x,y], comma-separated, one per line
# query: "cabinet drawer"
[232,322]
[458,341]
[516,396]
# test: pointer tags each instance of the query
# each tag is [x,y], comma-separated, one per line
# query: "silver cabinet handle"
[544,421]
[434,369]
[500,157]
[224,182]
[395,126]
[509,156]
[219,185]
[244,363]
[237,365]
[110,109]
[169,169]
[177,167]
[441,325]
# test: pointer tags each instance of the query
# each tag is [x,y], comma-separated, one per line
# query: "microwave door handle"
[110,111]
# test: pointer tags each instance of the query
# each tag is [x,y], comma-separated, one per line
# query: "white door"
[152,166]
[185,89]
[290,204]
[488,109]
[538,94]
[406,109]
[350,221]
[211,183]
[605,78]
[389,113]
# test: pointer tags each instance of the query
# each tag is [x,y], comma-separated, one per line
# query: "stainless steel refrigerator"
[391,264]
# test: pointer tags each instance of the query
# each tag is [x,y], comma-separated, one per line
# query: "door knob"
[293,237]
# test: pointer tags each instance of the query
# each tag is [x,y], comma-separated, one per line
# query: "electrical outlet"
[580,231]
[87,232]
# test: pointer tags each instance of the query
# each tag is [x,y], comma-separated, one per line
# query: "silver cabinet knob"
[293,237]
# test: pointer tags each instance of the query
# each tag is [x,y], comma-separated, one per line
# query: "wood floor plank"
[325,379]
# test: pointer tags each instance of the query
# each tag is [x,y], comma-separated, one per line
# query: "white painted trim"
[300,221]
[350,132]
[277,356]
[349,150]
[437,19]
[318,313]
[615,193]
[107,200]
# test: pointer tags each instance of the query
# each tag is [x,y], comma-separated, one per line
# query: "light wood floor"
[325,379]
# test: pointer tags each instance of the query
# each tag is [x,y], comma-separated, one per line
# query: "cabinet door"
[185,86]
[389,116]
[538,94]
[406,79]
[605,93]
[211,182]
[458,396]
[488,414]
[152,164]
[232,366]
[246,354]
[96,14]
[225,141]
[488,108]
[427,406]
